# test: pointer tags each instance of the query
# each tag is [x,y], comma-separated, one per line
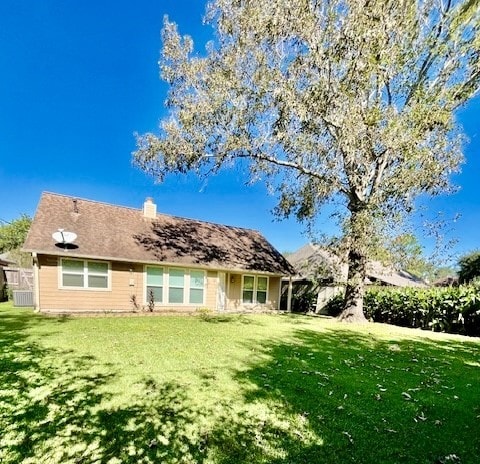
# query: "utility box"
[22,298]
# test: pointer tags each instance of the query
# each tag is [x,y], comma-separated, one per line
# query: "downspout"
[289,295]
[36,282]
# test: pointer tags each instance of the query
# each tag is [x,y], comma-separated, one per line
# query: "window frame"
[187,286]
[85,274]
[183,287]
[146,297]
[202,288]
[255,289]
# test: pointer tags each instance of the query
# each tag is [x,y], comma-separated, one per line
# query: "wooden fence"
[19,278]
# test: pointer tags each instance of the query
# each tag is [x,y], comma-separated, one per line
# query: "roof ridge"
[74,197]
[173,216]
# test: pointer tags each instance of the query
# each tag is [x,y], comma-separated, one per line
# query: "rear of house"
[124,259]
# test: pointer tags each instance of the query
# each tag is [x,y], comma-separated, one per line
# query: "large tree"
[469,265]
[345,101]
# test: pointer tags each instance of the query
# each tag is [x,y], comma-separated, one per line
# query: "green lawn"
[233,389]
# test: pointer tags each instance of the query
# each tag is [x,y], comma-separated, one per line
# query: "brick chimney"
[149,209]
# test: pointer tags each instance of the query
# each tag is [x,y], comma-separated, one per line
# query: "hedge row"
[451,309]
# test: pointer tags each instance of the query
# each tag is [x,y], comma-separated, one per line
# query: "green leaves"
[343,95]
[12,235]
[469,267]
[341,101]
[452,310]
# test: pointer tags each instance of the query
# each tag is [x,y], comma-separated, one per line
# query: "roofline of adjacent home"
[153,263]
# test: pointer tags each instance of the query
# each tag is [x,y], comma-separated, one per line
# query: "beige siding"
[234,293]
[125,280]
[274,292]
[211,291]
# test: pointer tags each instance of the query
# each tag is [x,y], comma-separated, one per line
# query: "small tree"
[12,236]
[404,252]
[469,267]
[345,101]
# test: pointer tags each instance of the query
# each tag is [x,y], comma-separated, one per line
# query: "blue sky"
[78,79]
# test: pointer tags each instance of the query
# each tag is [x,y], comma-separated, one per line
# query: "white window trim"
[266,290]
[145,277]
[166,286]
[184,288]
[190,288]
[85,276]
[255,289]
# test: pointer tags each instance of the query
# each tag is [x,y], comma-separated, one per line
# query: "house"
[447,281]
[321,272]
[103,257]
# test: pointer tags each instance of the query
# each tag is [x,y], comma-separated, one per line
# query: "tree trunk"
[353,302]
[357,259]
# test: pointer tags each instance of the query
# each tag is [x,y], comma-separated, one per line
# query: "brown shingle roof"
[124,234]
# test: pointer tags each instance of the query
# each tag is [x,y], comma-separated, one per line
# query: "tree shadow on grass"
[44,393]
[230,318]
[54,408]
[366,400]
[312,398]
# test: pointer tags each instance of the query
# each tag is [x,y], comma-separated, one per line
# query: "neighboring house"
[447,281]
[124,258]
[323,273]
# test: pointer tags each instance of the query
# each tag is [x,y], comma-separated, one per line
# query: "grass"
[233,389]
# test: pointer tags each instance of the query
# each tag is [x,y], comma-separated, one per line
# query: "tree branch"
[379,170]
[430,58]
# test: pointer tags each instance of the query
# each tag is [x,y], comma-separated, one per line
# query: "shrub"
[151,301]
[204,313]
[136,306]
[450,309]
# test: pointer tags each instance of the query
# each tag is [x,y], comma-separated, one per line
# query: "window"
[78,273]
[72,273]
[197,283]
[248,286]
[176,285]
[155,283]
[262,285]
[254,289]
